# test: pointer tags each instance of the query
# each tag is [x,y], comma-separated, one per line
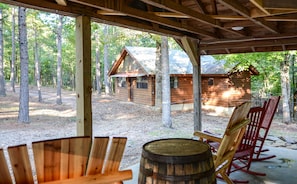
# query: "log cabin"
[134,78]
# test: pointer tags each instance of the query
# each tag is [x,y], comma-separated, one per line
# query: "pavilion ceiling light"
[237,28]
[62,2]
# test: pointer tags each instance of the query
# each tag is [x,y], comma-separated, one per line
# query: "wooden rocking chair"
[243,156]
[270,109]
[230,140]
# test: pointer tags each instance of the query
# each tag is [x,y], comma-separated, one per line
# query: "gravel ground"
[138,123]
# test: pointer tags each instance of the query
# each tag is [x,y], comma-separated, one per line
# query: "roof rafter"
[206,21]
[231,44]
[122,8]
[242,10]
[177,8]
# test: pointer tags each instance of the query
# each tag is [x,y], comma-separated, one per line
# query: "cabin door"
[130,89]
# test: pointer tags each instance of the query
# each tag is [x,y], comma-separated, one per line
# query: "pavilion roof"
[220,26]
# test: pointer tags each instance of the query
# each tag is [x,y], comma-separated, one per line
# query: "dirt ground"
[111,117]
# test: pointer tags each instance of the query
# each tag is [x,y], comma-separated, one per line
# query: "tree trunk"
[158,77]
[2,78]
[24,59]
[106,64]
[12,64]
[285,85]
[98,70]
[294,85]
[166,102]
[59,60]
[37,66]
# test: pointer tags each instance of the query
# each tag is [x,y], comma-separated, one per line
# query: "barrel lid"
[165,150]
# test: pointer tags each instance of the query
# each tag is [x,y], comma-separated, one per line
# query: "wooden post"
[83,77]
[192,48]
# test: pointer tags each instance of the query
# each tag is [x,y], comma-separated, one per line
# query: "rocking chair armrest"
[207,136]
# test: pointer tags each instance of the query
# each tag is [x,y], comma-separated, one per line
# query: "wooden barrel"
[182,161]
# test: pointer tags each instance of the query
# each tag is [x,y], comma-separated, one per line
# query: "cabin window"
[122,82]
[142,82]
[210,81]
[173,82]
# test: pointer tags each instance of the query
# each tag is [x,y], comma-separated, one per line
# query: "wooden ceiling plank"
[280,4]
[242,10]
[290,18]
[177,8]
[201,6]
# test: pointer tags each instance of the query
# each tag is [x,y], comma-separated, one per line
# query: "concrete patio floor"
[279,170]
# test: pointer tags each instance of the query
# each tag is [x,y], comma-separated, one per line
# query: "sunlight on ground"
[126,116]
[50,112]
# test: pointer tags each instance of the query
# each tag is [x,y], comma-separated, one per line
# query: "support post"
[192,48]
[83,77]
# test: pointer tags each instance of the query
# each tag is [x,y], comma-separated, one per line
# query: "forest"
[49,52]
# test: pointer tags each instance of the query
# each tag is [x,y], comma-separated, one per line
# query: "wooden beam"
[141,26]
[62,2]
[192,49]
[286,18]
[170,14]
[242,43]
[105,12]
[255,12]
[259,5]
[228,17]
[242,10]
[83,77]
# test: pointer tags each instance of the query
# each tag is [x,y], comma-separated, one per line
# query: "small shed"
[134,76]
